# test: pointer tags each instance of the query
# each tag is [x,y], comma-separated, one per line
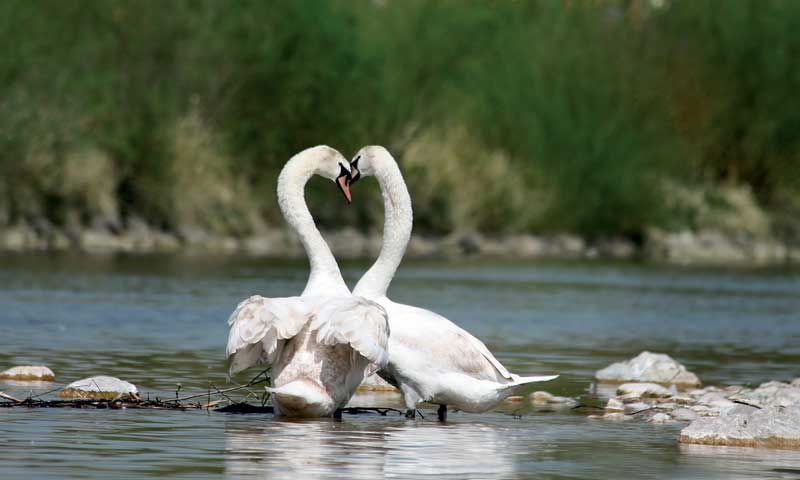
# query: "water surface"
[160,320]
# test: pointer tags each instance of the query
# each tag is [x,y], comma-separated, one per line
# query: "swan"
[319,345]
[431,359]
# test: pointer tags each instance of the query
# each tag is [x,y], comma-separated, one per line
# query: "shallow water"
[158,321]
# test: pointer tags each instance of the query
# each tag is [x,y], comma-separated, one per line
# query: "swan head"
[331,164]
[367,161]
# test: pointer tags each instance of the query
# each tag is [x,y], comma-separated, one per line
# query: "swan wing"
[356,321]
[258,327]
[452,347]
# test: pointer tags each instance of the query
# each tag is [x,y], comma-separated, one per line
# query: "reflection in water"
[741,462]
[159,321]
[394,447]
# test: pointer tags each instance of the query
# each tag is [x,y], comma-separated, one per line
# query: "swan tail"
[525,380]
[301,397]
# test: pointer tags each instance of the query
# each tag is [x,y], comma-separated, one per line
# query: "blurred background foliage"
[598,117]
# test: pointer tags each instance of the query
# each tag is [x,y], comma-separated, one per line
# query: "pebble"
[614,405]
[99,387]
[649,367]
[637,407]
[615,417]
[514,399]
[660,418]
[643,390]
[36,373]
[540,397]
[684,414]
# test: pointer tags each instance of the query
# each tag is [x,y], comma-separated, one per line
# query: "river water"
[158,321]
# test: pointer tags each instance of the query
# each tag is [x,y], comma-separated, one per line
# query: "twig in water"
[583,405]
[9,397]
[742,402]
[220,392]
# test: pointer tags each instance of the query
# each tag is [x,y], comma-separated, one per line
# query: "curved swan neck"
[324,276]
[397,224]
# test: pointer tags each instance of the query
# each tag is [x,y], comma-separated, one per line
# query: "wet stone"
[643,390]
[649,367]
[100,387]
[21,373]
[660,418]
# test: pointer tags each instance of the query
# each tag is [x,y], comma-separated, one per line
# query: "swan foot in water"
[442,413]
[337,414]
[412,414]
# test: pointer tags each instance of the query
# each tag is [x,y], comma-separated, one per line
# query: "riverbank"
[708,247]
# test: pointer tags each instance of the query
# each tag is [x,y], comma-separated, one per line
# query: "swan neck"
[397,224]
[324,276]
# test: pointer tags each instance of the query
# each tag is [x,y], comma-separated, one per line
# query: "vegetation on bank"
[595,117]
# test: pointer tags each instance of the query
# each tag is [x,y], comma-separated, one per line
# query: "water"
[160,321]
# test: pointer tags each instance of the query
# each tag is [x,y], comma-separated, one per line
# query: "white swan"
[430,358]
[322,344]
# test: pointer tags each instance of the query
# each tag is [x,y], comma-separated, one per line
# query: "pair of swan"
[322,344]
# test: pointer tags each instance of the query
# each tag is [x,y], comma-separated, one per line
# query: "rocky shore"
[730,415]
[687,247]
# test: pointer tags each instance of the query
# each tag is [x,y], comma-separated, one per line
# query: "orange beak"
[344,186]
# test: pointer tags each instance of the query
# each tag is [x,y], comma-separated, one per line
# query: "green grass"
[527,116]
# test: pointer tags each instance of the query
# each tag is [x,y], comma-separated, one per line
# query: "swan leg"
[442,413]
[337,414]
[411,413]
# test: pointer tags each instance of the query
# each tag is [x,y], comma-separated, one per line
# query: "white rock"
[768,427]
[99,387]
[37,373]
[643,390]
[540,397]
[375,383]
[649,367]
[637,407]
[684,414]
[721,405]
[614,405]
[558,400]
[709,398]
[796,382]
[660,418]
[615,417]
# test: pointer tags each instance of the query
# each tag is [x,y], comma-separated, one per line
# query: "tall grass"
[506,116]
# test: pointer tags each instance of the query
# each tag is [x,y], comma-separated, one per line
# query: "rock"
[682,399]
[614,405]
[514,399]
[643,390]
[100,387]
[721,405]
[616,417]
[637,407]
[684,414]
[375,383]
[36,373]
[649,367]
[702,410]
[772,427]
[540,397]
[796,382]
[660,418]
[770,394]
